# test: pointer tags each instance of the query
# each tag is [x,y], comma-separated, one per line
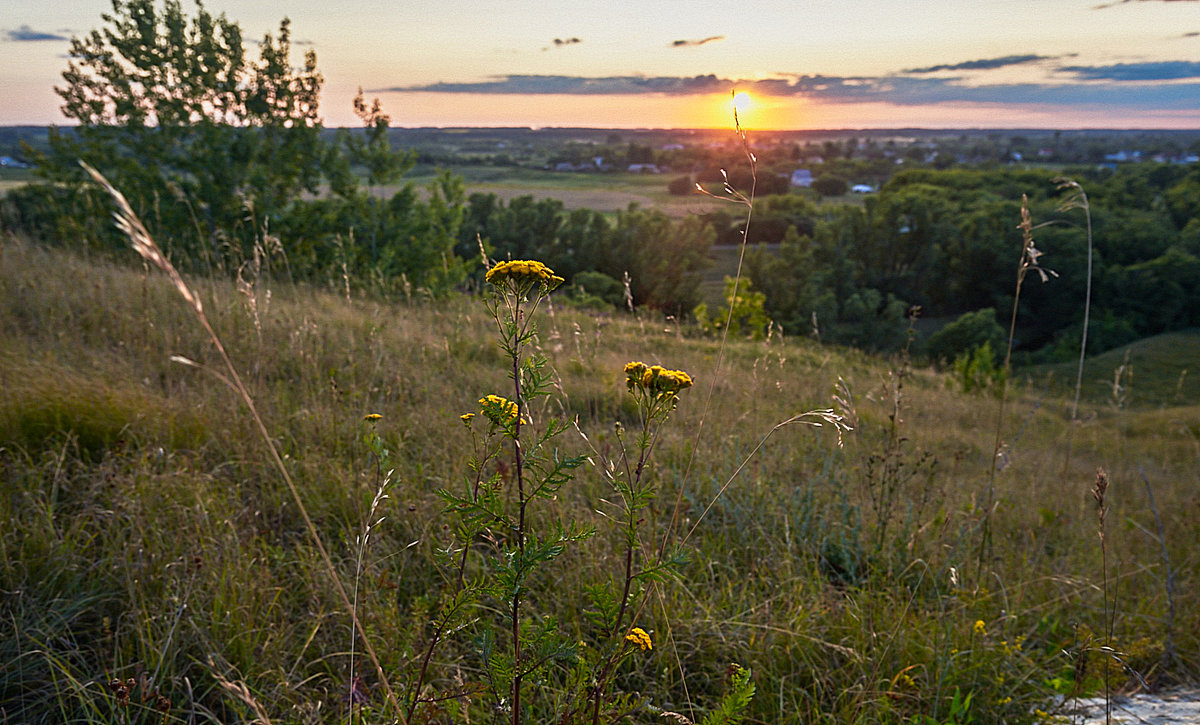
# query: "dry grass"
[174,504]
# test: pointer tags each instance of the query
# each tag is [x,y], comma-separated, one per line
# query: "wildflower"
[980,628]
[638,636]
[500,411]
[466,418]
[655,379]
[633,373]
[523,274]
[372,417]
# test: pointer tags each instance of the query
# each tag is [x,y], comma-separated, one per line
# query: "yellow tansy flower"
[980,628]
[655,379]
[639,637]
[500,411]
[523,273]
[372,417]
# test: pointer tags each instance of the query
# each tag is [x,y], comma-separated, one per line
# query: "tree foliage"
[198,135]
[947,241]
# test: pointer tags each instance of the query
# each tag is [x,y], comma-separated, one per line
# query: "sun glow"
[742,102]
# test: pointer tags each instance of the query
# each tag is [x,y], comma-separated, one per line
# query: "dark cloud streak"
[564,42]
[1136,72]
[985,64]
[26,34]
[694,43]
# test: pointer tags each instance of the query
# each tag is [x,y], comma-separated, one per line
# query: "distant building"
[802,178]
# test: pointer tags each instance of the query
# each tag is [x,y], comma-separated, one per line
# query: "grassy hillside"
[1163,370]
[145,533]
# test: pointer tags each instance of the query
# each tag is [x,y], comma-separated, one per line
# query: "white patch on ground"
[1178,707]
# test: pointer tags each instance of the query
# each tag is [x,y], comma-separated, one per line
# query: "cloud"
[563,42]
[1138,72]
[693,43]
[579,86]
[897,89]
[26,34]
[986,64]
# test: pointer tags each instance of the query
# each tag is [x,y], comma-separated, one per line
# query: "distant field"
[603,192]
[608,192]
[12,178]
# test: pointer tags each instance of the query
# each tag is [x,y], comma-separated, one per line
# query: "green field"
[605,192]
[145,533]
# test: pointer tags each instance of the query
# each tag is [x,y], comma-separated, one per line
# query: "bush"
[968,333]
[831,185]
[681,186]
[597,285]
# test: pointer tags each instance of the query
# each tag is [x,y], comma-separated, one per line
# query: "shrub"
[967,334]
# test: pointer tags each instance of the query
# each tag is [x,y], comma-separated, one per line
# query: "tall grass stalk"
[142,243]
[1099,493]
[1029,261]
[383,481]
[1168,657]
[1078,200]
[737,197]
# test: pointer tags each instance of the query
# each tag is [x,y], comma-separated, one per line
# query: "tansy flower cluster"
[500,411]
[522,274]
[638,636]
[655,379]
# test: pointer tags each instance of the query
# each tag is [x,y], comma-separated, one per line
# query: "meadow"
[155,568]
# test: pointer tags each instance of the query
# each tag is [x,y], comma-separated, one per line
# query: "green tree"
[372,151]
[195,134]
[664,259]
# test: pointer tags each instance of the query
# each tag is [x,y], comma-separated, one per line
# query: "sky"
[804,64]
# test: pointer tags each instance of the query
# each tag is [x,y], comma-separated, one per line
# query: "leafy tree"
[830,185]
[372,151]
[197,135]
[664,259]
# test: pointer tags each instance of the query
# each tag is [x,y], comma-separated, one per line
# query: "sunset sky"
[665,63]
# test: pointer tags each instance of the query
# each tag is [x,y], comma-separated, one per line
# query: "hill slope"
[145,533]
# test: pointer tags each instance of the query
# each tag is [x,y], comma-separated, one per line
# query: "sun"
[742,102]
